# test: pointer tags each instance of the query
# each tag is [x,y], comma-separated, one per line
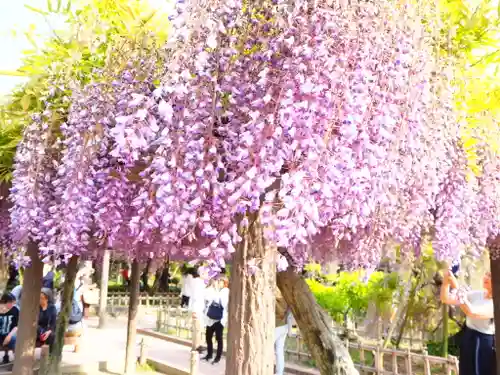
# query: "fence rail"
[368,359]
[120,301]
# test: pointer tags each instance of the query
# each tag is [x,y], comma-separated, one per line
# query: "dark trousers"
[477,353]
[184,301]
[216,328]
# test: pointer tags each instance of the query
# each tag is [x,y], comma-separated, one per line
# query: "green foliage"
[436,348]
[349,295]
[470,37]
[99,34]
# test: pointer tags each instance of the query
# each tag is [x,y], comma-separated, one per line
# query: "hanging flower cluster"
[332,123]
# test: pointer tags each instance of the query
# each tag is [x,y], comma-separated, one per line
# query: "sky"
[14,16]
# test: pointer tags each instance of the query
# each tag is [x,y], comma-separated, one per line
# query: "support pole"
[103,298]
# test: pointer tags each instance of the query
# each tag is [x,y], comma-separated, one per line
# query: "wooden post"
[195,343]
[143,353]
[362,358]
[379,361]
[178,321]
[131,359]
[427,365]
[395,363]
[408,362]
[158,319]
[103,298]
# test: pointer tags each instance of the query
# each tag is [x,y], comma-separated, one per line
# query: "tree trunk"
[130,359]
[55,358]
[251,305]
[103,298]
[316,326]
[495,279]
[165,278]
[28,318]
[145,276]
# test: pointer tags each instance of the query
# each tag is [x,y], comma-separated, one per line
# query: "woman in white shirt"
[477,350]
[197,302]
[186,281]
[216,319]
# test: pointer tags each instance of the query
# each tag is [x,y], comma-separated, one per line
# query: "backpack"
[76,315]
[215,311]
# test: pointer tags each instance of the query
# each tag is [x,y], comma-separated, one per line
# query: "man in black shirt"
[9,317]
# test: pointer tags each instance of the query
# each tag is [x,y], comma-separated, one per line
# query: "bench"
[73,338]
[44,352]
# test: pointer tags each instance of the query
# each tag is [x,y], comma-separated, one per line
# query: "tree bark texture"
[103,298]
[28,318]
[55,358]
[316,326]
[251,305]
[130,358]
[495,281]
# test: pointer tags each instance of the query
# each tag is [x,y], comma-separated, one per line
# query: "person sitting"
[9,318]
[17,293]
[46,318]
[75,322]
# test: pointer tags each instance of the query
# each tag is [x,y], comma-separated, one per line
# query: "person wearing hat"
[46,318]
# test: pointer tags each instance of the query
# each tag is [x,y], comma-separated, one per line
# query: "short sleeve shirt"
[479,304]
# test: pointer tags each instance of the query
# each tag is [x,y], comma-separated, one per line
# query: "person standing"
[283,326]
[186,285]
[477,350]
[48,278]
[88,290]
[196,305]
[13,277]
[216,319]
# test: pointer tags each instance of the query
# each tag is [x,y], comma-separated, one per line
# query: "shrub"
[349,294]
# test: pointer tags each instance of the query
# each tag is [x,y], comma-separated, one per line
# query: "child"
[9,317]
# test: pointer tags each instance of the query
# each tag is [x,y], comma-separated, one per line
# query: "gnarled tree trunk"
[251,305]
[316,326]
[28,318]
[54,365]
[131,358]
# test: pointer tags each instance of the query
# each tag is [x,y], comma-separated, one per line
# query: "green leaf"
[68,6]
[25,102]
[36,10]
[49,6]
[12,73]
[58,6]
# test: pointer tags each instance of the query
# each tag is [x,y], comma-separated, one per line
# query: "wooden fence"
[118,302]
[415,340]
[368,359]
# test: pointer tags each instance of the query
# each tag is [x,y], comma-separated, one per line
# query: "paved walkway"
[108,345]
